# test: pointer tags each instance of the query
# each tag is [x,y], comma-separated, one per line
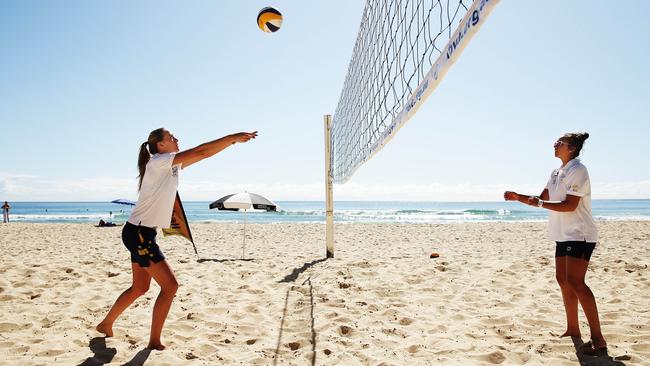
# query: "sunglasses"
[558,143]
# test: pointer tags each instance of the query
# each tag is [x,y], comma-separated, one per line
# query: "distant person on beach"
[103,223]
[568,197]
[159,162]
[5,212]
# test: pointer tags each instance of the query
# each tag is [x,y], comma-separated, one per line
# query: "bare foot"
[593,346]
[571,333]
[157,346]
[105,328]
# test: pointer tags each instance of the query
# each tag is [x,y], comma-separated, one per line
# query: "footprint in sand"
[406,321]
[641,347]
[293,345]
[51,352]
[252,309]
[10,327]
[493,358]
[344,330]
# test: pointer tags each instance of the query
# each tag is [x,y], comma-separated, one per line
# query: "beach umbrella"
[122,201]
[243,201]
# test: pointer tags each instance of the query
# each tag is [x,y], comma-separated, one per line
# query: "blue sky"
[83,82]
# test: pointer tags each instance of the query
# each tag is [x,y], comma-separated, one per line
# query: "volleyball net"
[402,52]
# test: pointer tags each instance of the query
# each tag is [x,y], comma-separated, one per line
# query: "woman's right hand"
[208,149]
[510,196]
[243,136]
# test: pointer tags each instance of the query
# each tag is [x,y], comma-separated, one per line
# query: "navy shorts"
[575,249]
[141,242]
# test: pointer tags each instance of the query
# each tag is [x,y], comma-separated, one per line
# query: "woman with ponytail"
[159,162]
[568,198]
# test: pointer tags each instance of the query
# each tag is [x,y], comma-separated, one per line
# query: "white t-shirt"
[158,192]
[577,225]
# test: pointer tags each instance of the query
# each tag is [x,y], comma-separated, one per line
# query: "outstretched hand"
[510,196]
[243,136]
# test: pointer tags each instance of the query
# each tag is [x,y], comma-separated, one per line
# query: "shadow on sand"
[292,277]
[201,260]
[139,358]
[600,358]
[102,355]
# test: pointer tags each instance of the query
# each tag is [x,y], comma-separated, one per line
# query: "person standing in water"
[568,197]
[5,212]
[159,163]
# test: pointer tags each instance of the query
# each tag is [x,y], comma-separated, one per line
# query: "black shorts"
[141,242]
[575,249]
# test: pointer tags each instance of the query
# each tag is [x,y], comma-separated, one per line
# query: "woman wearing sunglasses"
[568,198]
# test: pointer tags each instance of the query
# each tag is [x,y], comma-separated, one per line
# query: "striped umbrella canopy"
[122,201]
[243,201]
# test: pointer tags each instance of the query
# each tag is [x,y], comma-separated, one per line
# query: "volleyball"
[269,19]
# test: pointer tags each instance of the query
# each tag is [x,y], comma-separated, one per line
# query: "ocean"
[314,212]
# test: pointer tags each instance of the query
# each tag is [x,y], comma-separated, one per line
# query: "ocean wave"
[622,218]
[58,217]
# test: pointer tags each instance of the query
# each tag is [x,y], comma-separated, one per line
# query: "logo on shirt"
[554,177]
[175,171]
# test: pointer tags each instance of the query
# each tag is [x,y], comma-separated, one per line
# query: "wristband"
[540,203]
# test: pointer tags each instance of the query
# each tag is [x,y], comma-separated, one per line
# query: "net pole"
[329,204]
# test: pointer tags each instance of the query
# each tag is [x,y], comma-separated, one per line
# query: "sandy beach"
[490,298]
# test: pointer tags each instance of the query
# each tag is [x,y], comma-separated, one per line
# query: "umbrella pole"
[243,249]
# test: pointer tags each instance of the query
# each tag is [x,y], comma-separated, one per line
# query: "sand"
[490,298]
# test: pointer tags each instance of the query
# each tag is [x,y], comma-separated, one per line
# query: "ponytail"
[146,149]
[143,159]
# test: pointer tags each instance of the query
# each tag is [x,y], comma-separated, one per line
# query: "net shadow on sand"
[311,322]
[222,260]
[291,278]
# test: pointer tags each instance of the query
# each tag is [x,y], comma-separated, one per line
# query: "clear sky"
[82,83]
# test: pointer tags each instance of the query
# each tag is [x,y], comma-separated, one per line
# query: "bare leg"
[568,296]
[141,281]
[164,276]
[577,268]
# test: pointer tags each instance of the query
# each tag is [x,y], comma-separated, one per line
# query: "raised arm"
[208,149]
